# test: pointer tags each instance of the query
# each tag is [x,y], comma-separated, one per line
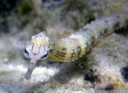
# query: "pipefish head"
[37,49]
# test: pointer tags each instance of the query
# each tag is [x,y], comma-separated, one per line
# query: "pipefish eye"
[26,54]
[44,56]
[25,51]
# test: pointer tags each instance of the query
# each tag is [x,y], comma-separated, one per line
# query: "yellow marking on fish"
[35,42]
[38,42]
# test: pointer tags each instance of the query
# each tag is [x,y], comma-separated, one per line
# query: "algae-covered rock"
[75,13]
[110,59]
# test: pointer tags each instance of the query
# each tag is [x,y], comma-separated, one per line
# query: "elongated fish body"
[76,45]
